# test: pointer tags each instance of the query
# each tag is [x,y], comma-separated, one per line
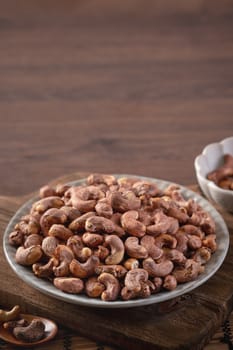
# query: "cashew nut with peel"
[117,250]
[160,269]
[135,279]
[103,208]
[60,232]
[76,245]
[64,255]
[69,284]
[95,179]
[45,270]
[131,263]
[10,315]
[188,272]
[122,202]
[131,224]
[28,256]
[170,282]
[92,240]
[99,224]
[162,224]
[33,239]
[165,240]
[47,191]
[86,269]
[31,333]
[134,249]
[44,204]
[116,270]
[84,198]
[28,225]
[112,286]
[49,245]
[50,217]
[153,250]
[78,224]
[93,287]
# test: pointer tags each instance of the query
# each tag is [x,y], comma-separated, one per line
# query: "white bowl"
[210,159]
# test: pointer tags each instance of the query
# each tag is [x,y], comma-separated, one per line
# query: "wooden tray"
[188,322]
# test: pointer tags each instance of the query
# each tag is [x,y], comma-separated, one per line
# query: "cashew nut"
[60,232]
[33,239]
[76,245]
[46,270]
[122,202]
[47,191]
[28,256]
[116,270]
[158,269]
[69,284]
[153,250]
[95,179]
[92,240]
[50,217]
[117,250]
[135,279]
[170,282]
[93,287]
[188,272]
[86,269]
[16,238]
[78,224]
[31,333]
[9,315]
[49,245]
[46,203]
[64,255]
[131,263]
[99,224]
[112,286]
[134,249]
[131,224]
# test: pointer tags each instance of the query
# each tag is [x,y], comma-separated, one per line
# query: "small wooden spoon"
[50,331]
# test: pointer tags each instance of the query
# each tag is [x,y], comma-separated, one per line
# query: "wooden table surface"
[109,86]
[133,86]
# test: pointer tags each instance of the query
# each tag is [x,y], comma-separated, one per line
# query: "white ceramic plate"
[47,287]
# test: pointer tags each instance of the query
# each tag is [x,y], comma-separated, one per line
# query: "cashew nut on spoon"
[25,330]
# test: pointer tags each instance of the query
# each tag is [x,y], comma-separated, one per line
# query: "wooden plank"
[189,324]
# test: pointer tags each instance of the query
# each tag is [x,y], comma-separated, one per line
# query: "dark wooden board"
[189,323]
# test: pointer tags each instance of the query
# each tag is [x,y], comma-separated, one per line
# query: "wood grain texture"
[189,324]
[133,87]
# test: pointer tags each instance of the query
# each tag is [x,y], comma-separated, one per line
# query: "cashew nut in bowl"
[117,250]
[80,252]
[93,287]
[134,249]
[69,284]
[99,224]
[50,217]
[116,270]
[86,269]
[158,269]
[131,224]
[44,204]
[64,255]
[78,224]
[112,286]
[28,256]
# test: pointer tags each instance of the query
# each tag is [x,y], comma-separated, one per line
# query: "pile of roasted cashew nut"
[114,238]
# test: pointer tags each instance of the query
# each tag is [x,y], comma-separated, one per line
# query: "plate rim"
[48,288]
